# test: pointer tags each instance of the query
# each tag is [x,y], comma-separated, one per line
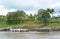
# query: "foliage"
[50,10]
[16,17]
[43,15]
[30,17]
[21,20]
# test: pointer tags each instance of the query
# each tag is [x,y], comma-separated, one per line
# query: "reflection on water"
[29,35]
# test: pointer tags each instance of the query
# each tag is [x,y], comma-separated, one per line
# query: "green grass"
[53,25]
[3,24]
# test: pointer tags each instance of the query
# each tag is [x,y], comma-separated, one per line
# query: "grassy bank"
[53,25]
[31,24]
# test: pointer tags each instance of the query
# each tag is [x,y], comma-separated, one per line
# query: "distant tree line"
[18,16]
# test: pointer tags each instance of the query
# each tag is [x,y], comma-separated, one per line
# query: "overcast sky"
[29,6]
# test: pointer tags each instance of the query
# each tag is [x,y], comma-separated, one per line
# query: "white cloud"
[56,14]
[33,3]
[56,5]
[28,12]
[4,11]
[31,12]
[28,4]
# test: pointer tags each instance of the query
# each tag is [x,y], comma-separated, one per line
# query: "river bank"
[27,30]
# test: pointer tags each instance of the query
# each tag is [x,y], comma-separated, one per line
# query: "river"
[29,35]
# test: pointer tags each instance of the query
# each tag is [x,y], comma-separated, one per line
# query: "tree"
[16,17]
[35,16]
[43,15]
[30,18]
[2,18]
[50,10]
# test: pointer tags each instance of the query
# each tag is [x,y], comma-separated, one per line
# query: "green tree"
[15,17]
[30,18]
[2,18]
[43,15]
[35,16]
[50,10]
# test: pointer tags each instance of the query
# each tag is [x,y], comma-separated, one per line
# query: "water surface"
[29,35]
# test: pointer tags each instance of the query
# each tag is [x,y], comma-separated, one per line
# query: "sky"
[29,6]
